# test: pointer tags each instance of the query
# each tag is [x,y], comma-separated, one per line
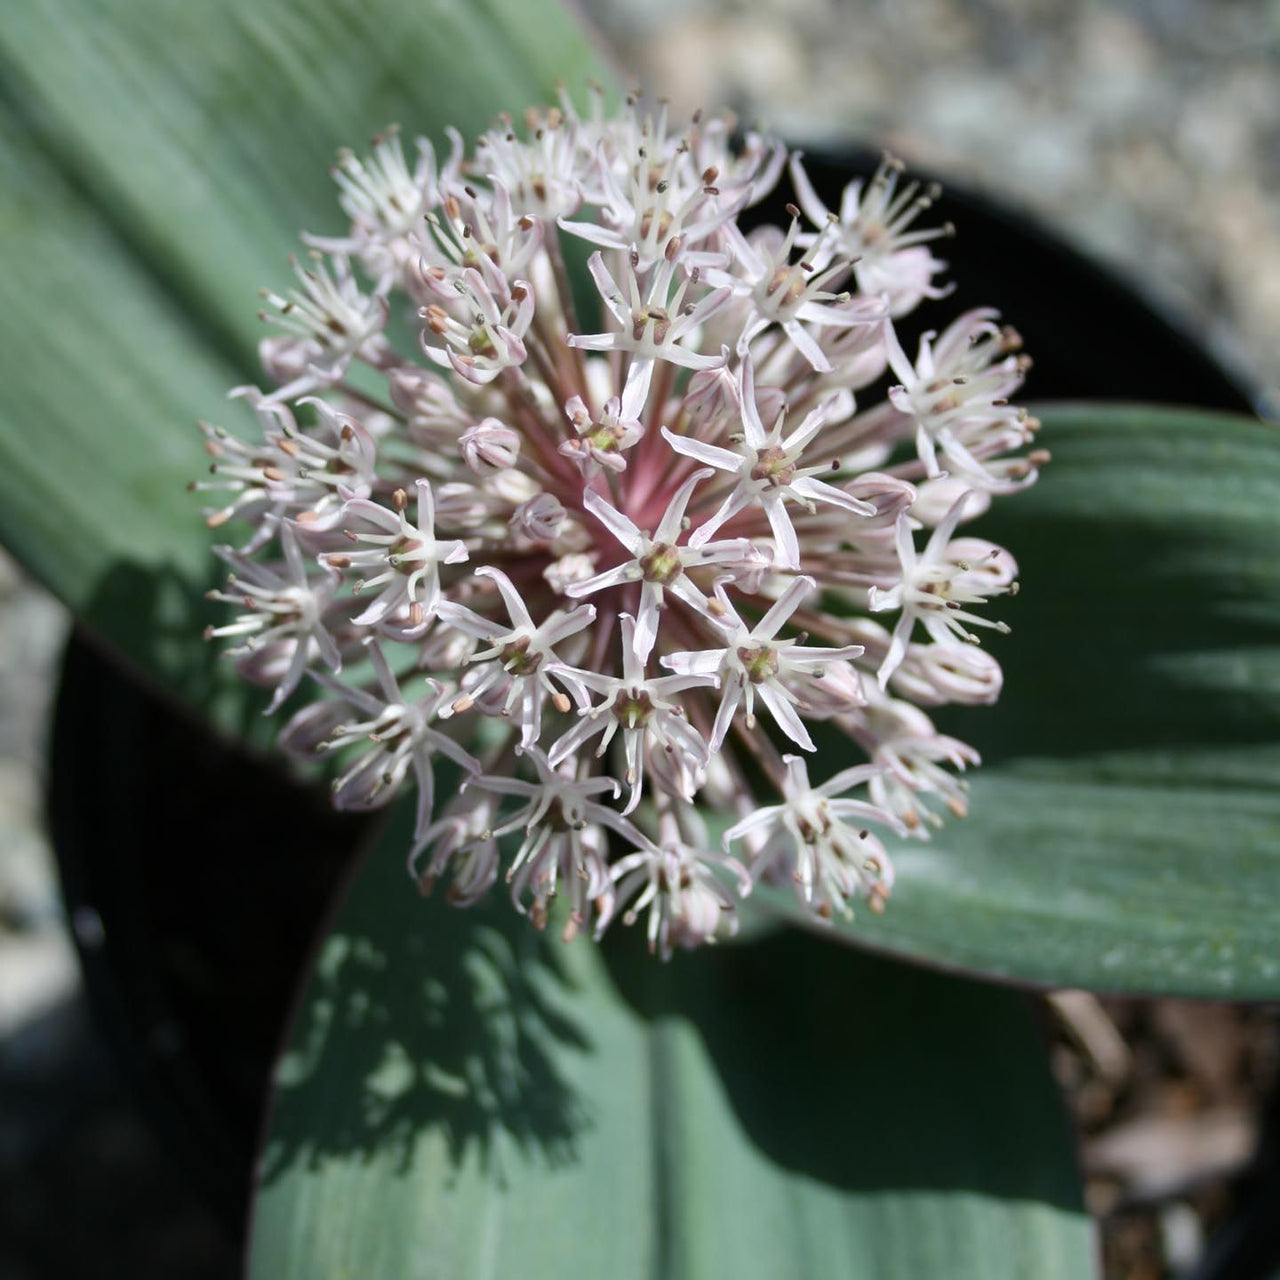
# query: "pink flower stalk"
[613,566]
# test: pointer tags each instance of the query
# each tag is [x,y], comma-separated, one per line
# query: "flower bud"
[490,446]
[539,519]
[575,567]
[934,498]
[308,730]
[936,674]
[284,358]
[712,394]
[837,691]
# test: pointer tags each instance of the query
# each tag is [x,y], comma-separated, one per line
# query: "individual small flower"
[768,471]
[647,711]
[397,738]
[290,472]
[286,612]
[407,557]
[910,753]
[874,231]
[540,520]
[933,675]
[676,885]
[653,322]
[562,845]
[592,565]
[330,322]
[463,841]
[605,443]
[934,587]
[957,396]
[755,664]
[384,199]
[472,233]
[489,336]
[490,445]
[655,215]
[810,843]
[657,562]
[544,173]
[781,292]
[521,658]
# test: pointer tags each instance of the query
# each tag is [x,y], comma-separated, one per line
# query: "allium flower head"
[610,566]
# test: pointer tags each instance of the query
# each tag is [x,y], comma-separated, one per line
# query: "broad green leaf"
[465,1097]
[205,131]
[1124,833]
[96,429]
[157,162]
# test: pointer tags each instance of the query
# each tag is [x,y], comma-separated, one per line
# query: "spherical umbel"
[612,567]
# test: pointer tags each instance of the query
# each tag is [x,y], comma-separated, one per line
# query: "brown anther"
[337,560]
[400,499]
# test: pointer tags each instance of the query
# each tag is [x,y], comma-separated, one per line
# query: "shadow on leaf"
[865,1073]
[421,1018]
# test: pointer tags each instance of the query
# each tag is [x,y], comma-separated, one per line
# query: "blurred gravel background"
[1149,133]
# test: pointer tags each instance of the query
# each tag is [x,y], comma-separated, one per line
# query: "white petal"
[710,455]
[510,596]
[785,605]
[705,662]
[613,520]
[821,491]
[669,529]
[785,714]
[805,344]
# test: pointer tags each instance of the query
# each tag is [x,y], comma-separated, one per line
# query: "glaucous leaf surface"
[1124,830]
[465,1096]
